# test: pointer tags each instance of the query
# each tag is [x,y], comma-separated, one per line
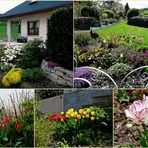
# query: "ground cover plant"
[17,122]
[130,116]
[88,126]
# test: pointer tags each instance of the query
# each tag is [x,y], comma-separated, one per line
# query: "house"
[32,17]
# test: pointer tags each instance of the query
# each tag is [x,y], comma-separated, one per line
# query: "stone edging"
[58,74]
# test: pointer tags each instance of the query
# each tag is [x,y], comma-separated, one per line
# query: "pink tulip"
[138,111]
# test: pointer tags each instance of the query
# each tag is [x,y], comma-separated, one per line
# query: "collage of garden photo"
[74,73]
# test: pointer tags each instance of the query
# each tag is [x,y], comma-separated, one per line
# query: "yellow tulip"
[79,117]
[88,110]
[80,111]
[62,113]
[92,118]
[87,115]
[92,113]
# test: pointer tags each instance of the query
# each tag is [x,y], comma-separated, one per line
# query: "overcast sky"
[5,93]
[6,5]
[136,3]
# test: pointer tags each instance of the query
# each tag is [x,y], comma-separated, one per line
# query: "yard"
[123,29]
[3,31]
[111,49]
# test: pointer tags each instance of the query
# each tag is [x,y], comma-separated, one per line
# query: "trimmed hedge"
[90,12]
[84,23]
[60,37]
[110,14]
[138,21]
[133,12]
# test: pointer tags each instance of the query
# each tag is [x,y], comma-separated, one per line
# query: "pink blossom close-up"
[138,111]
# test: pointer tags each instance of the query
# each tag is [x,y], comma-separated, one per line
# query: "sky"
[5,93]
[135,3]
[6,5]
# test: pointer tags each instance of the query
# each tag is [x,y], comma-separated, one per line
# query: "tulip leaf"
[123,96]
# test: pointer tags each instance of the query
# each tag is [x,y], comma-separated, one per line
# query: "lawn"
[123,29]
[3,31]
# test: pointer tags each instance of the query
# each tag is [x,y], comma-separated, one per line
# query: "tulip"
[138,111]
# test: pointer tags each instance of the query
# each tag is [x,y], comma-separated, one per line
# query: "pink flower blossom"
[138,111]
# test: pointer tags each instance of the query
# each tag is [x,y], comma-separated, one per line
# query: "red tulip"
[6,120]
[19,124]
[56,117]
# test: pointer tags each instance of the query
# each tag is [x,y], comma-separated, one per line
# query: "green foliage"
[33,75]
[83,39]
[90,12]
[133,12]
[43,131]
[1,51]
[110,14]
[32,54]
[123,96]
[138,21]
[84,23]
[119,69]
[60,37]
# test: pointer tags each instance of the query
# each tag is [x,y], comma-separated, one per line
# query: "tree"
[126,8]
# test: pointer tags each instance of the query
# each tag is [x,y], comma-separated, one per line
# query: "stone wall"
[58,74]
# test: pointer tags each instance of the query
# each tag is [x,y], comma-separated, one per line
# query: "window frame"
[28,27]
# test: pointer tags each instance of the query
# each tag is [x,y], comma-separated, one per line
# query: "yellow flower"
[92,113]
[92,118]
[78,116]
[88,110]
[84,112]
[91,107]
[87,115]
[76,113]
[62,120]
[62,113]
[72,115]
[12,77]
[80,111]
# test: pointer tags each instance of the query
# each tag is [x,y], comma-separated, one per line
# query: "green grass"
[123,29]
[3,31]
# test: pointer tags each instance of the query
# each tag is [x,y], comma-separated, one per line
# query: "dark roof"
[28,7]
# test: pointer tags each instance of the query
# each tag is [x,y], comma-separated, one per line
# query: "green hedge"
[60,37]
[133,12]
[90,12]
[138,21]
[84,23]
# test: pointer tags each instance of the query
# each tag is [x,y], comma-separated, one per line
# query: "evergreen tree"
[126,8]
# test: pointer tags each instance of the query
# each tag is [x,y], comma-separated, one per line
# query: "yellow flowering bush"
[12,77]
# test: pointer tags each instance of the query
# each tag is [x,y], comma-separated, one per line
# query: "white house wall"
[43,25]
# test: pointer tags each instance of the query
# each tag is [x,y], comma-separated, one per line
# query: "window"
[33,28]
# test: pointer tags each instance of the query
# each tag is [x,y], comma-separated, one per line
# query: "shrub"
[13,77]
[1,51]
[138,21]
[119,70]
[90,12]
[83,38]
[33,75]
[60,37]
[133,12]
[110,14]
[84,23]
[43,132]
[32,54]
